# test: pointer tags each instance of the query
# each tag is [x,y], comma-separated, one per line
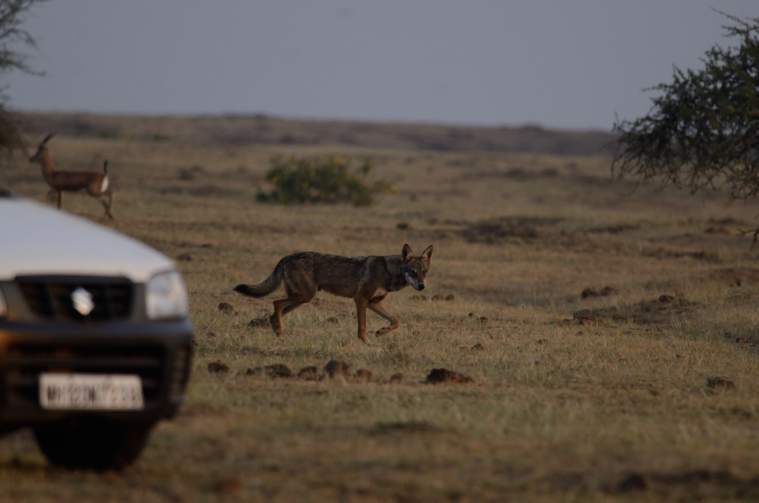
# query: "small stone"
[363,375]
[335,368]
[719,382]
[396,378]
[445,376]
[259,322]
[309,374]
[218,367]
[278,370]
[226,308]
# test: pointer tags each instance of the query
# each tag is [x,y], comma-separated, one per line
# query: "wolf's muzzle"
[411,280]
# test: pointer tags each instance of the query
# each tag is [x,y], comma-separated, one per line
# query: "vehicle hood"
[35,239]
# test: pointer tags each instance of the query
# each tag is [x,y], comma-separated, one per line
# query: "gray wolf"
[367,280]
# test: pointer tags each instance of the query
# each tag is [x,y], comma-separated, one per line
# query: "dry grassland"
[612,396]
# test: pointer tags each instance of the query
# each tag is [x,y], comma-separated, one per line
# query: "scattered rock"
[483,319]
[333,320]
[309,374]
[665,298]
[584,315]
[226,308]
[477,347]
[418,297]
[396,379]
[718,230]
[603,292]
[450,297]
[445,376]
[278,370]
[228,486]
[274,371]
[259,322]
[404,427]
[210,334]
[403,226]
[719,383]
[184,257]
[363,375]
[335,368]
[631,482]
[437,298]
[218,367]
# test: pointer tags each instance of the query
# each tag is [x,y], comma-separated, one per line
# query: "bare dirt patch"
[666,253]
[649,312]
[499,230]
[409,427]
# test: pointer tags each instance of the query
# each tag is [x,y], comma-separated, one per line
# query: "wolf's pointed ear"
[427,254]
[406,252]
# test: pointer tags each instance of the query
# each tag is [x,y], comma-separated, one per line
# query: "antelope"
[96,184]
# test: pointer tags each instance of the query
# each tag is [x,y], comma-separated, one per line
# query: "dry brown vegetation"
[609,333]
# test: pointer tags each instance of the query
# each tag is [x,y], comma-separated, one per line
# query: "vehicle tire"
[92,443]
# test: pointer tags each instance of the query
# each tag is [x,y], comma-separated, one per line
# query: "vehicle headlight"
[166,296]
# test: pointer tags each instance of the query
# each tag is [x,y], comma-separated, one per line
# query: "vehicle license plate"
[90,392]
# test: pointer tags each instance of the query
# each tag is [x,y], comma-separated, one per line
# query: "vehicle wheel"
[94,444]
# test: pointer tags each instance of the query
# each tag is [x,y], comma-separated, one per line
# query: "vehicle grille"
[50,297]
[24,362]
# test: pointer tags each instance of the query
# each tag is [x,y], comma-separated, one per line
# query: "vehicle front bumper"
[159,352]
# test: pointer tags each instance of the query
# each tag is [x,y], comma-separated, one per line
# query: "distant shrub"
[328,180]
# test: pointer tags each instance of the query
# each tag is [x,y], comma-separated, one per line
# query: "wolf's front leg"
[394,323]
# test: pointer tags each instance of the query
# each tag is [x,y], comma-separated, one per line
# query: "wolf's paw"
[384,330]
[275,326]
[365,340]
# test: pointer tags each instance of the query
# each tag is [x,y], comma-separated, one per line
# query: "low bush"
[328,180]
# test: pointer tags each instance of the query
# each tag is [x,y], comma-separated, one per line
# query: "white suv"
[95,343]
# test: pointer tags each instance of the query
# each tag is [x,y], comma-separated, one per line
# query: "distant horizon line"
[307,118]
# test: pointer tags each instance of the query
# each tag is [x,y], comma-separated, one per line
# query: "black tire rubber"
[92,443]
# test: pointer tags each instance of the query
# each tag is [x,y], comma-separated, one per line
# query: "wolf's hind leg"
[394,323]
[281,308]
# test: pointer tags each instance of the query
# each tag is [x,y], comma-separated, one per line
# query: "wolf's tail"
[265,287]
[105,167]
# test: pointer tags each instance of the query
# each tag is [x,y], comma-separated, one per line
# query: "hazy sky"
[558,63]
